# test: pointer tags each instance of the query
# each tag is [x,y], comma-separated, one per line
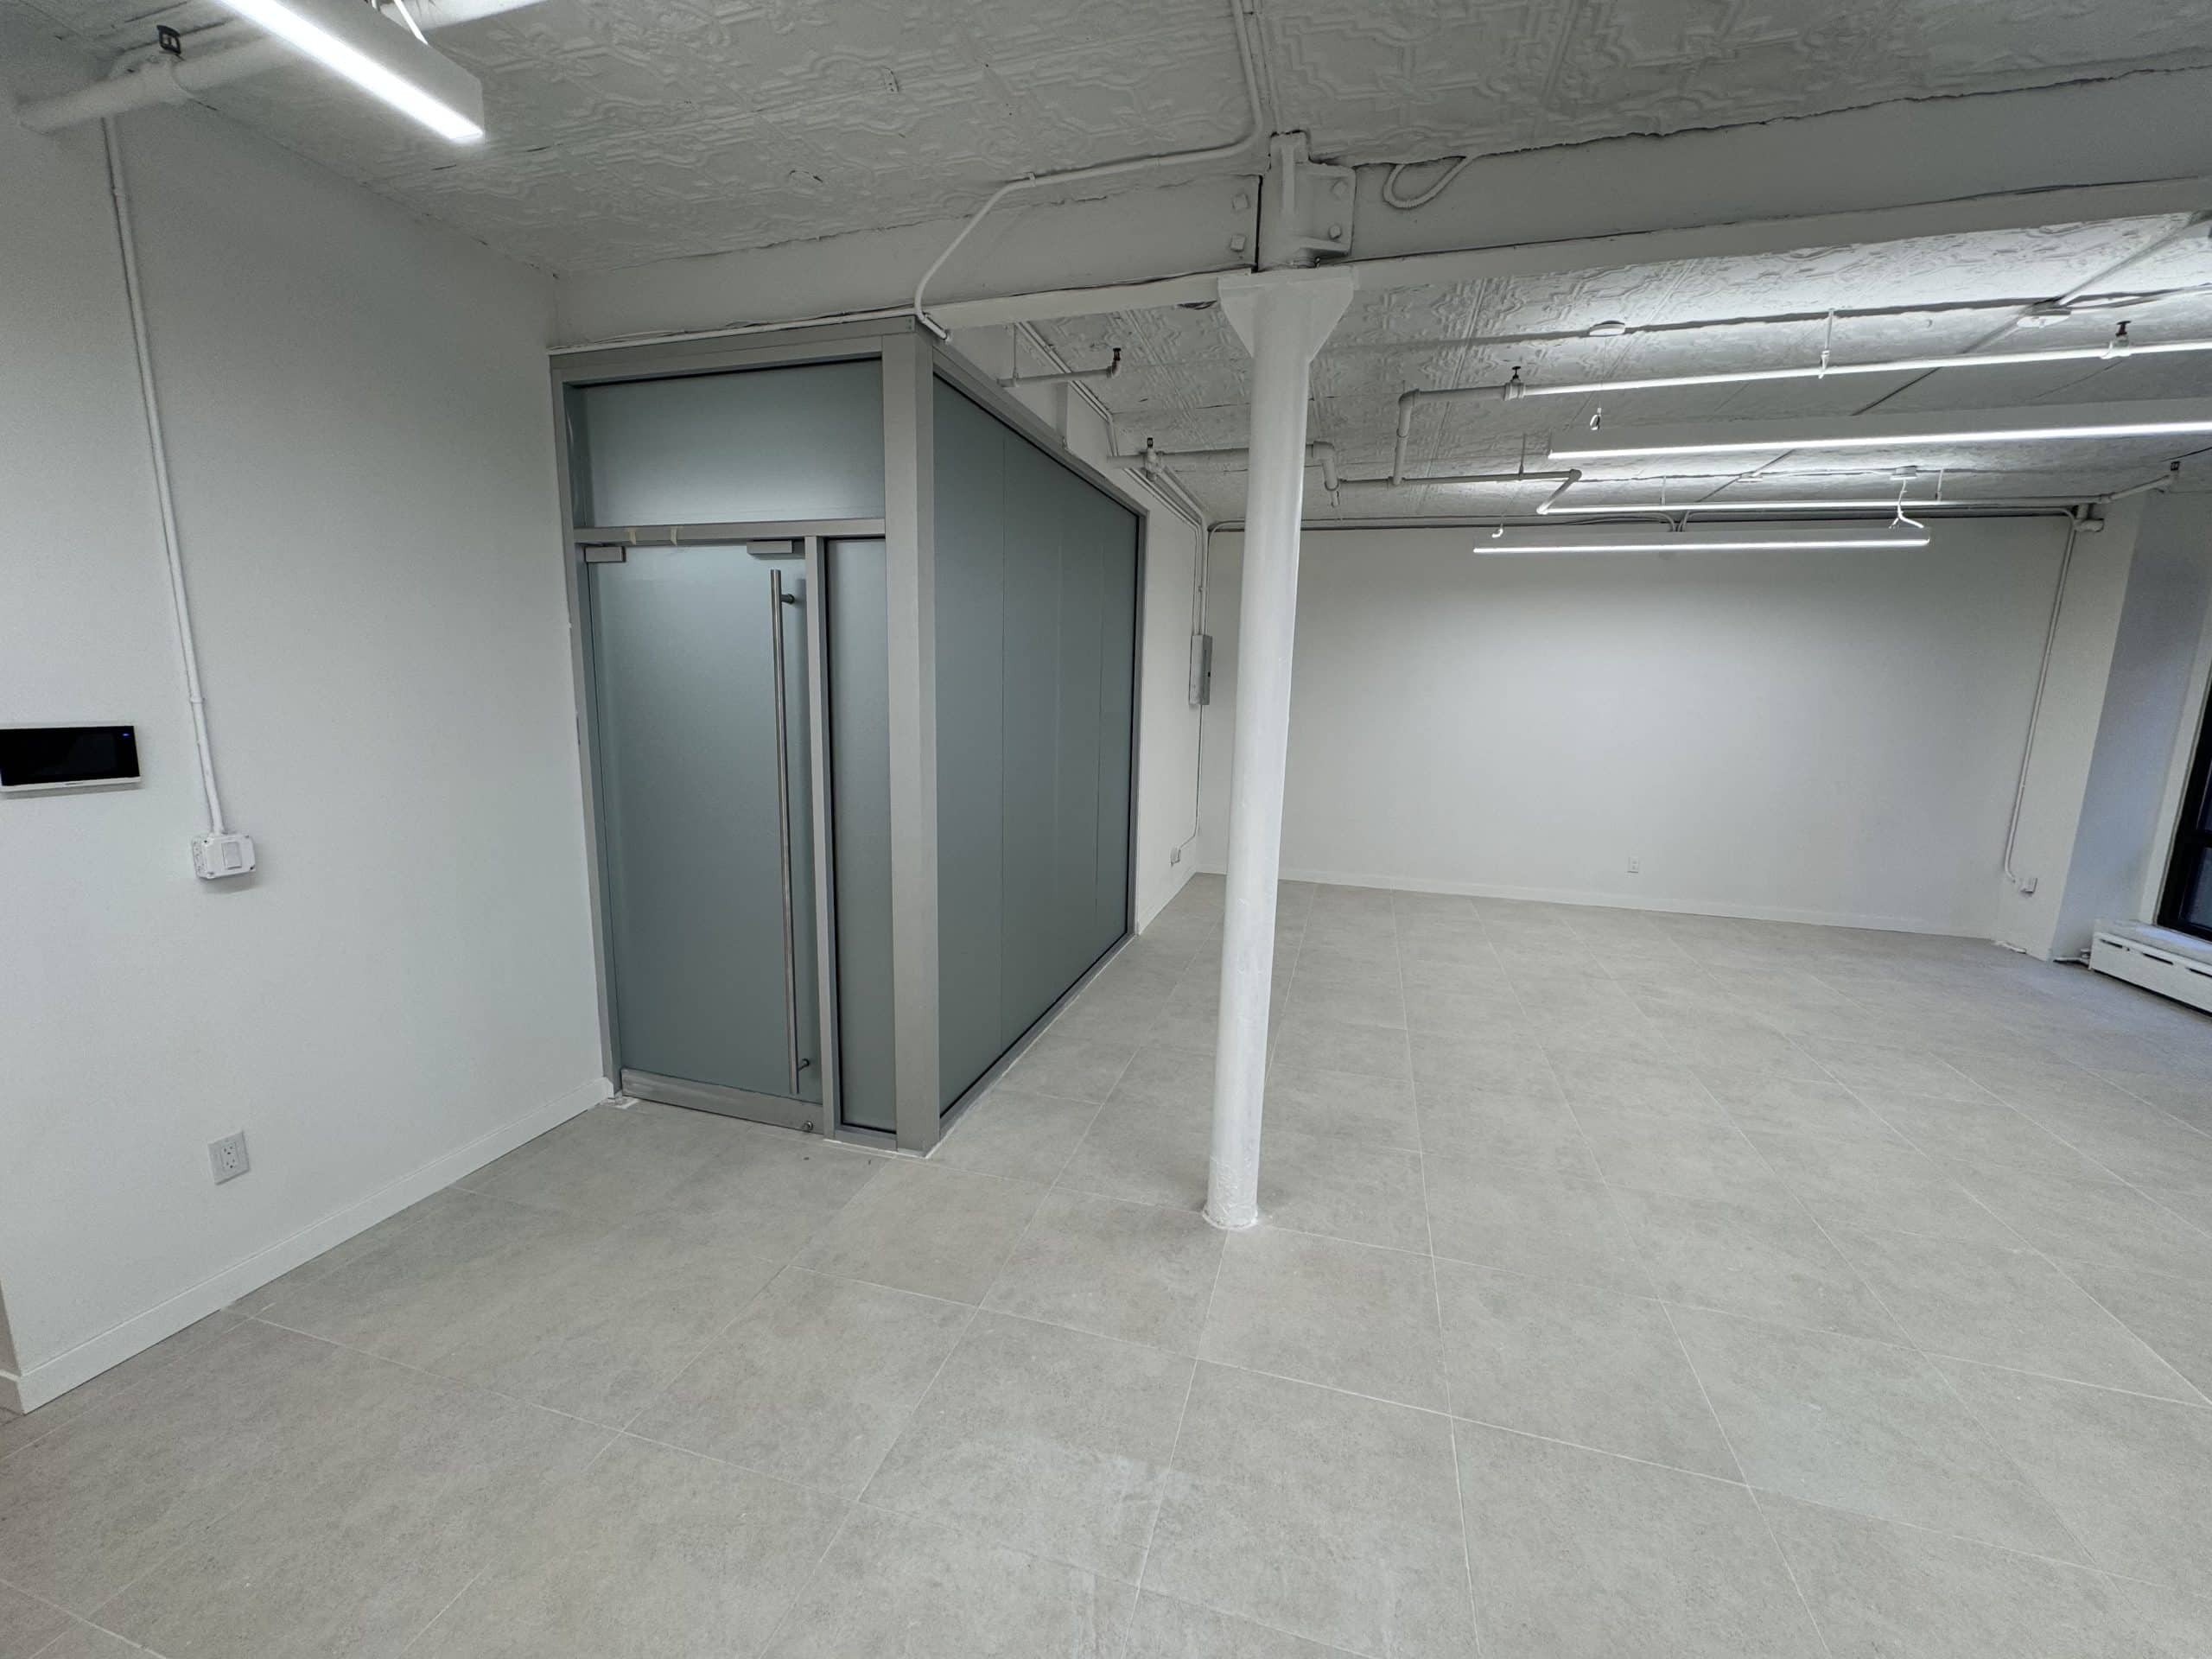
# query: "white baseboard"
[1629,901]
[1184,871]
[52,1379]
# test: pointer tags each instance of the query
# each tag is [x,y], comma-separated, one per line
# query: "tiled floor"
[1631,1285]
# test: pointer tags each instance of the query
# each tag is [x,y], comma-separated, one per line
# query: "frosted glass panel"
[860,766]
[1036,605]
[971,603]
[762,444]
[683,670]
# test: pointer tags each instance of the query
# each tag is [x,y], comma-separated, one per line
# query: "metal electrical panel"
[1201,670]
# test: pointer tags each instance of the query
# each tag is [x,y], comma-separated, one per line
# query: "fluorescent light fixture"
[2110,352]
[1762,538]
[355,41]
[1863,505]
[2155,418]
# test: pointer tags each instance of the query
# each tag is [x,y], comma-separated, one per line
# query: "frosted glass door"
[706,825]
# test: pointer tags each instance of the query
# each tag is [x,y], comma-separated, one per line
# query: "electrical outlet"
[1175,855]
[1635,866]
[228,1157]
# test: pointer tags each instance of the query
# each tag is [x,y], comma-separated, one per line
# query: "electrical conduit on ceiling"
[1256,133]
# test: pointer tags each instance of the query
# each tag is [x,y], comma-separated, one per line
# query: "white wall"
[1168,754]
[1829,737]
[360,434]
[2147,715]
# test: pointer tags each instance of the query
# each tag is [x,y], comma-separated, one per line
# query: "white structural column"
[1282,317]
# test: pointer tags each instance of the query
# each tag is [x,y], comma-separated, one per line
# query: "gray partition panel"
[1036,637]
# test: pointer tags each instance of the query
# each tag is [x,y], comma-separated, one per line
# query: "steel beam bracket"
[1305,207]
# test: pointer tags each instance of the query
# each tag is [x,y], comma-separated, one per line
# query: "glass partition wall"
[857,643]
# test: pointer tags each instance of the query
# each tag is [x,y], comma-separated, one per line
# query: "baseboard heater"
[2157,958]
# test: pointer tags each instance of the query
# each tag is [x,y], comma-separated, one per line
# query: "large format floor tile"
[1880,1591]
[1316,1513]
[812,1382]
[2129,1473]
[904,1584]
[1574,1364]
[1052,1440]
[1528,1221]
[1579,1554]
[1349,1316]
[1133,1271]
[656,1551]
[1864,1425]
[2007,1306]
[358,1539]
[936,1230]
[1745,1279]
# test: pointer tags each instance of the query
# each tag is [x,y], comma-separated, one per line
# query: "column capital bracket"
[1318,298]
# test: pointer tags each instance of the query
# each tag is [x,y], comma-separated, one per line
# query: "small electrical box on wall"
[35,759]
[216,856]
[1201,670]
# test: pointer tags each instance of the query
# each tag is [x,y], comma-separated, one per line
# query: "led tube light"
[355,41]
[2163,417]
[1884,504]
[2106,353]
[1730,539]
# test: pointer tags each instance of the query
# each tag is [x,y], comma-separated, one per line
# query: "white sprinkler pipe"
[1282,317]
[141,81]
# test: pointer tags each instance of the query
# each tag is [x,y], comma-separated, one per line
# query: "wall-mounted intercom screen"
[68,757]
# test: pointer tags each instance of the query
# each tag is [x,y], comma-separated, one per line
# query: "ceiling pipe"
[1065,376]
[1254,133]
[143,79]
[1562,478]
[1319,453]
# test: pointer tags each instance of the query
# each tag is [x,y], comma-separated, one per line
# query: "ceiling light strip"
[1892,366]
[1864,505]
[1897,536]
[2170,417]
[358,43]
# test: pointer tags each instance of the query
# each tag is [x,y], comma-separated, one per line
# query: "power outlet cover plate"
[228,1157]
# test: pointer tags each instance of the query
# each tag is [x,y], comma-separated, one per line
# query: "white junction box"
[2157,958]
[215,857]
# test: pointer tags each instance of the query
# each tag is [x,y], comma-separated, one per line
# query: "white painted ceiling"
[628,130]
[625,131]
[1182,384]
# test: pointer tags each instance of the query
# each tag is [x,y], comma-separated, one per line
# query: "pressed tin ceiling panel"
[629,130]
[625,131]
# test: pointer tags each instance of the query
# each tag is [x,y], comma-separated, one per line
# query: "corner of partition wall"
[910,515]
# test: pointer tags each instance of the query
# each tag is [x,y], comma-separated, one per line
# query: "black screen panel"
[57,757]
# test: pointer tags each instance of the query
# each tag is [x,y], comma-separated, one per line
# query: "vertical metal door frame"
[910,581]
[825,865]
